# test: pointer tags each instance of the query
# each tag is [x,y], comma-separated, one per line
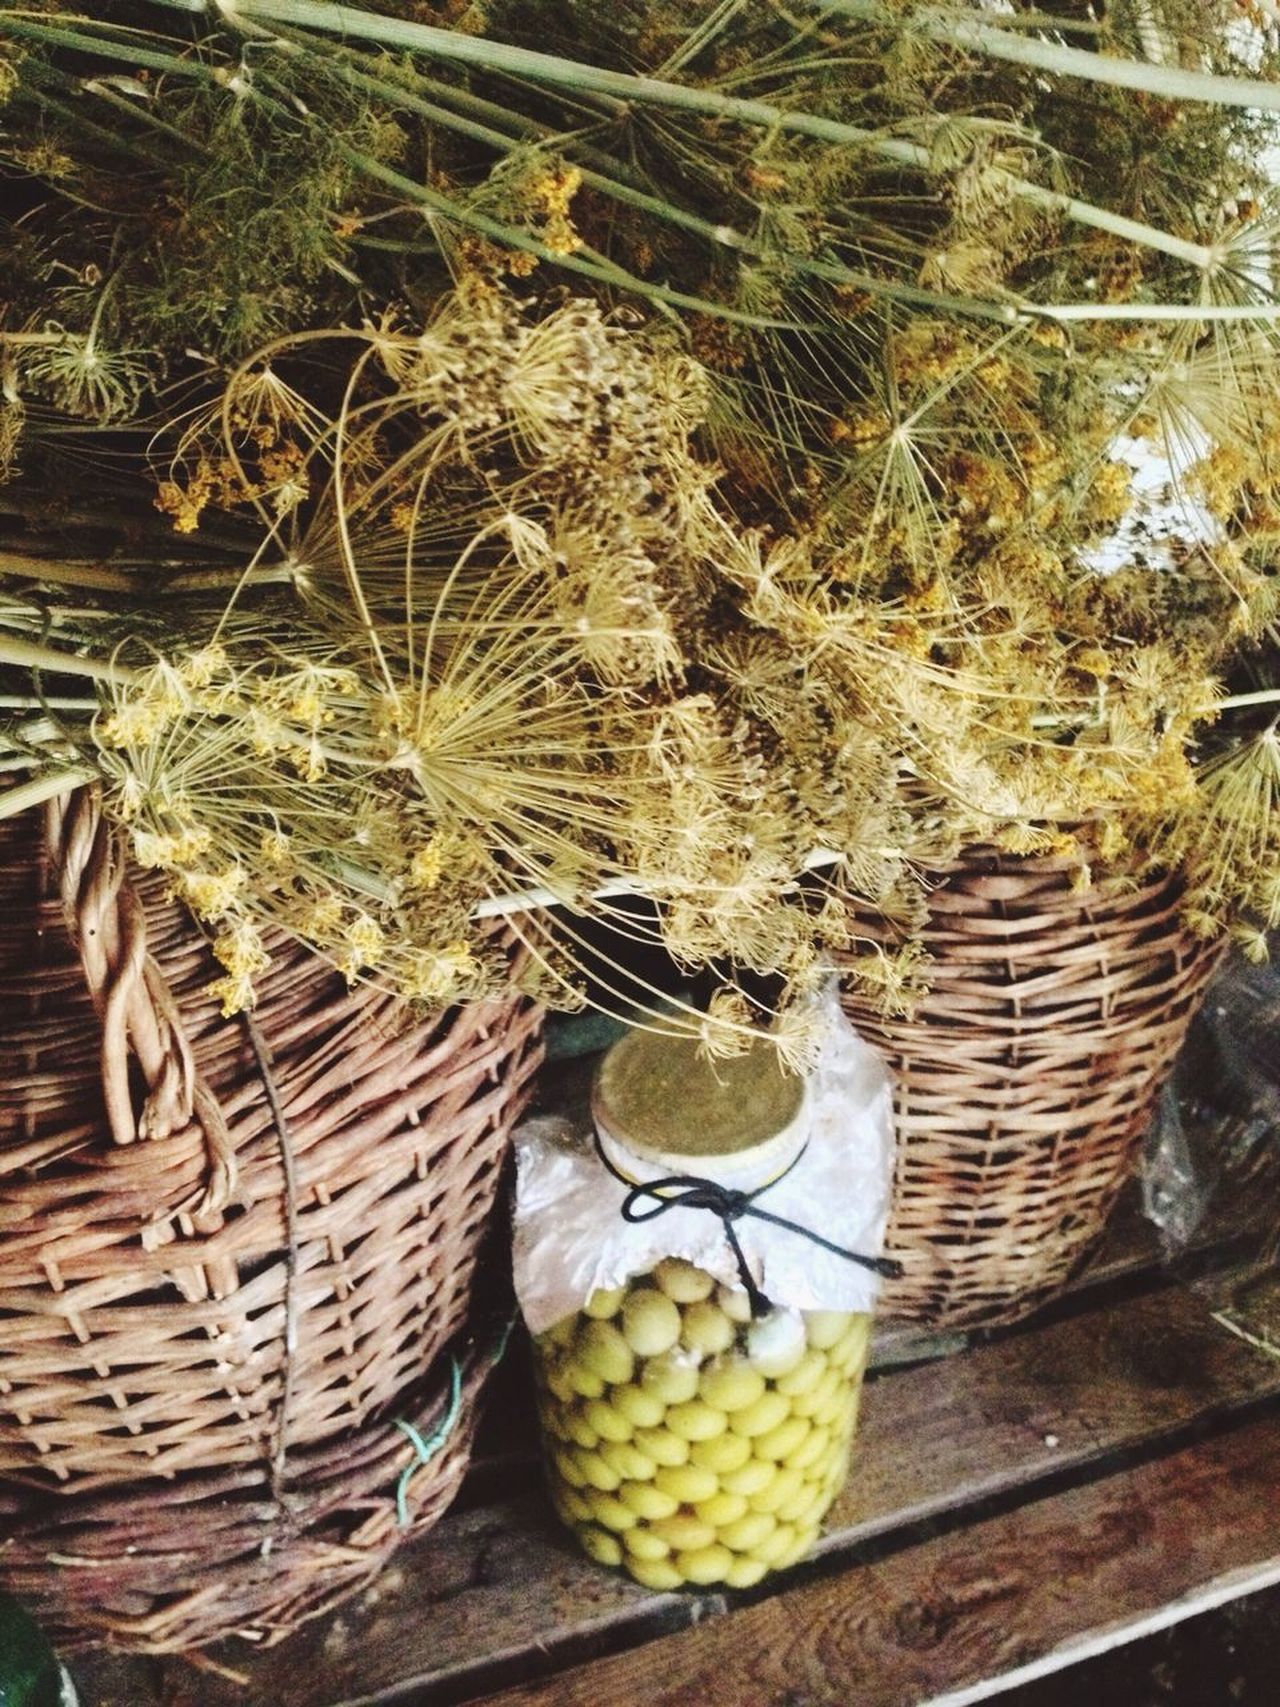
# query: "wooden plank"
[966,1616]
[496,1591]
[1040,1406]
[1092,1645]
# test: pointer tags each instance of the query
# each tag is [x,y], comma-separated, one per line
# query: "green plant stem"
[1208,312]
[32,655]
[21,797]
[610,178]
[108,139]
[1264,696]
[217,579]
[491,114]
[511,236]
[519,62]
[500,57]
[58,35]
[139,112]
[721,236]
[1170,81]
[214,578]
[502,142]
[67,574]
[1037,21]
[47,702]
[22,339]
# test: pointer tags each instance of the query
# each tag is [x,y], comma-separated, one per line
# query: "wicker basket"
[1027,1076]
[224,1297]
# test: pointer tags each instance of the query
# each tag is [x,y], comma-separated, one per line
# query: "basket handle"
[139,1016]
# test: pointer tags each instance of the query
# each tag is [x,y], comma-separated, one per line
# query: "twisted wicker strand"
[138,1013]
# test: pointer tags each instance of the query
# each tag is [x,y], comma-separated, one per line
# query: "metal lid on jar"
[660,1100]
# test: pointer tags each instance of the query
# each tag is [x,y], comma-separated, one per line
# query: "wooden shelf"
[1026,1499]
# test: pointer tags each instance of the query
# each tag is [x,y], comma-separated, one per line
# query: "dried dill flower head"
[463,664]
[505,632]
[166,215]
[818,182]
[1228,837]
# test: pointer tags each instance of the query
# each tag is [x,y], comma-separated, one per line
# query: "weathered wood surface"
[495,1594]
[969,1614]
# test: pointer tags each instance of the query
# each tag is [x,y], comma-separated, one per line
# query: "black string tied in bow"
[648,1199]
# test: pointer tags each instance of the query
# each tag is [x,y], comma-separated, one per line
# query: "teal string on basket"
[427,1449]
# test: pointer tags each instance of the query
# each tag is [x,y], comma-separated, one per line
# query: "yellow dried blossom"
[308,760]
[798,1035]
[426,867]
[284,477]
[209,894]
[275,849]
[241,950]
[1112,839]
[234,992]
[1023,839]
[44,160]
[130,797]
[1109,494]
[307,707]
[169,851]
[931,597]
[552,192]
[134,724]
[725,1029]
[1220,478]
[204,665]
[318,916]
[186,503]
[1252,943]
[1093,661]
[437,975]
[897,980]
[1062,844]
[519,263]
[1081,879]
[364,945]
[576,668]
[1203,924]
[461,959]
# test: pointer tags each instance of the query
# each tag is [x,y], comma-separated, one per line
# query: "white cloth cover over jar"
[571,1238]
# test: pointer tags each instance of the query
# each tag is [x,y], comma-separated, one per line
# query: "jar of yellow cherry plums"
[698,1407]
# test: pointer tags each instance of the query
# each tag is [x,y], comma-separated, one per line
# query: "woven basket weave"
[1026,1077]
[232,1254]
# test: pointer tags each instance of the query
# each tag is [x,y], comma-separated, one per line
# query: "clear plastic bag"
[1175,1191]
[1217,1127]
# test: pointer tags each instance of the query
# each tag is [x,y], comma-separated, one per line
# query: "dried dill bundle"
[858,557]
[793,183]
[457,665]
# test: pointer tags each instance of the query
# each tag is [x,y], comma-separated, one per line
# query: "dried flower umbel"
[845,566]
[458,665]
[501,635]
[797,184]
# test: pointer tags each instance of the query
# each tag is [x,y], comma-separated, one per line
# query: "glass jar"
[687,1439]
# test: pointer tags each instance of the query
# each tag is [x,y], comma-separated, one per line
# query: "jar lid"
[660,1099]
